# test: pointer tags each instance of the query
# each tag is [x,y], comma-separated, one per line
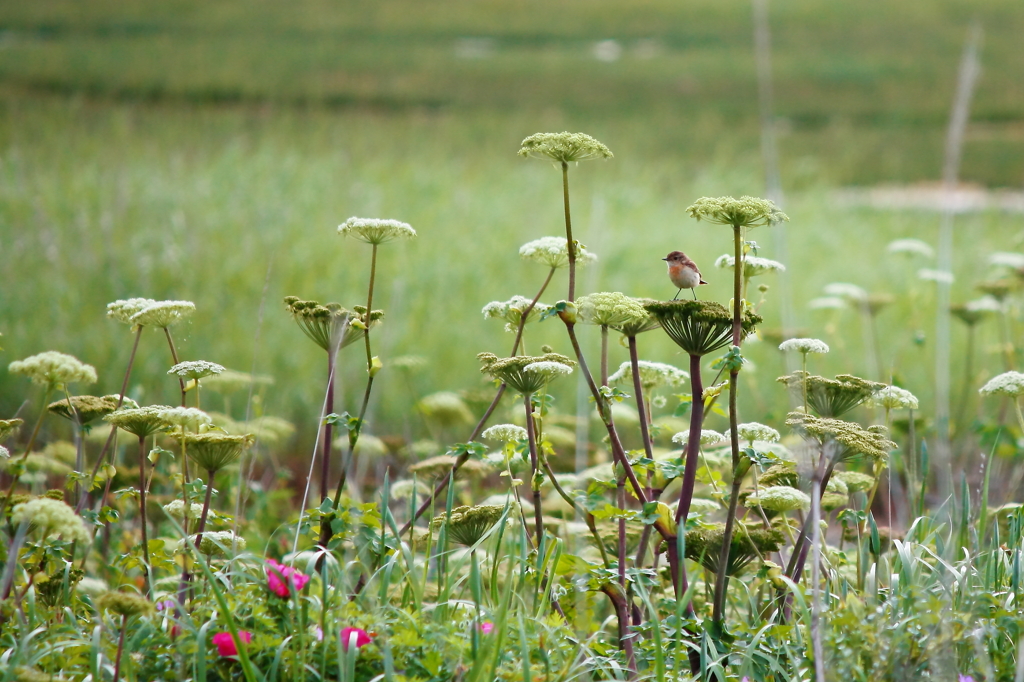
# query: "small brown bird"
[683,272]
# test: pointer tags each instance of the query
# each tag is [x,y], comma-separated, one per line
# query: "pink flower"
[226,645]
[965,678]
[279,576]
[486,627]
[362,637]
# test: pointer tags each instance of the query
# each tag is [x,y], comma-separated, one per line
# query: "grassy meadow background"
[207,151]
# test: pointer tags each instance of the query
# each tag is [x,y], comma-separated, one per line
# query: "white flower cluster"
[374,231]
[941,276]
[512,311]
[985,304]
[184,416]
[894,398]
[52,517]
[752,265]
[610,308]
[826,303]
[550,370]
[53,369]
[1007,383]
[195,369]
[911,247]
[843,290]
[1007,259]
[780,498]
[176,509]
[554,252]
[752,431]
[156,313]
[707,437]
[804,346]
[652,374]
[505,433]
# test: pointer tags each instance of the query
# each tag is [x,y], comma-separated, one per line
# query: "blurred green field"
[207,151]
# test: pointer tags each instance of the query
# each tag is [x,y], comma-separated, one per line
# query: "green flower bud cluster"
[779,498]
[512,311]
[705,546]
[87,408]
[125,604]
[652,375]
[214,543]
[468,525]
[610,309]
[140,421]
[753,266]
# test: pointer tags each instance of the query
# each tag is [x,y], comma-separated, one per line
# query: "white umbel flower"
[941,276]
[652,374]
[894,398]
[752,265]
[826,303]
[1007,259]
[176,509]
[185,416]
[804,346]
[163,313]
[707,437]
[911,247]
[1007,383]
[122,310]
[375,231]
[54,369]
[985,304]
[195,369]
[554,252]
[844,290]
[752,431]
[52,517]
[505,433]
[551,370]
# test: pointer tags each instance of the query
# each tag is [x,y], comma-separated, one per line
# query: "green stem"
[31,442]
[174,357]
[722,579]
[142,515]
[110,438]
[568,233]
[531,435]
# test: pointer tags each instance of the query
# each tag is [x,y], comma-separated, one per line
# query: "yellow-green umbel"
[705,547]
[214,451]
[85,408]
[832,397]
[125,605]
[467,525]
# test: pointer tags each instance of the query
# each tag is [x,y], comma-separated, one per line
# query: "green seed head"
[563,147]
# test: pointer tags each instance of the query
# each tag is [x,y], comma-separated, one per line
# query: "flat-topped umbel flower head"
[330,323]
[853,439]
[140,421]
[652,374]
[699,327]
[468,525]
[1007,383]
[375,231]
[894,398]
[54,369]
[742,212]
[512,311]
[563,147]
[214,451]
[123,310]
[554,252]
[804,346]
[752,265]
[610,309]
[163,314]
[195,369]
[832,397]
[85,408]
[526,373]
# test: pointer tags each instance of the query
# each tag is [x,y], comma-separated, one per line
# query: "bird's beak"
[664,259]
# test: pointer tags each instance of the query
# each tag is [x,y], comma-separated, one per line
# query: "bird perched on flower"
[683,272]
